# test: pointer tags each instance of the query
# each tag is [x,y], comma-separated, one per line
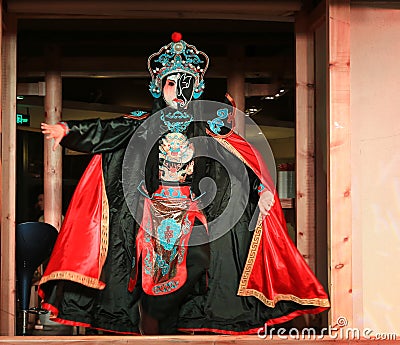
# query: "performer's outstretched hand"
[266,201]
[55,132]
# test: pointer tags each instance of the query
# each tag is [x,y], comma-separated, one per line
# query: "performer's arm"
[266,201]
[91,136]
[259,194]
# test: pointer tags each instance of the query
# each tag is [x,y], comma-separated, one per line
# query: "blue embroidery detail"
[147,263]
[260,188]
[162,264]
[173,253]
[186,225]
[154,89]
[173,59]
[147,236]
[166,287]
[137,113]
[181,254]
[176,126]
[168,232]
[199,90]
[172,193]
[217,123]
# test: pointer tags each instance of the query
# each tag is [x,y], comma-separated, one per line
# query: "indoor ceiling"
[103,57]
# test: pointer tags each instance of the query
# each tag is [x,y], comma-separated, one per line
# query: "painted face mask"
[178,90]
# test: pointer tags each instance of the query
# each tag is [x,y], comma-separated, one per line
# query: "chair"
[34,243]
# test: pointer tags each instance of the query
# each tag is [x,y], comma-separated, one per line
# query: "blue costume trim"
[166,287]
[176,126]
[154,89]
[137,113]
[197,197]
[141,188]
[172,193]
[148,268]
[181,255]
[198,91]
[66,127]
[217,123]
[186,225]
[260,188]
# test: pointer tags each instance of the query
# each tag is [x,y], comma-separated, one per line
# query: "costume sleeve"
[97,136]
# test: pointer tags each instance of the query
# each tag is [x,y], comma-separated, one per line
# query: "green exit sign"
[23,120]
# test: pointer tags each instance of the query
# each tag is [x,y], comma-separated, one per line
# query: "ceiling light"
[251,111]
[278,93]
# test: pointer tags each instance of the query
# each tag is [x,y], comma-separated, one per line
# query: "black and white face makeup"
[178,89]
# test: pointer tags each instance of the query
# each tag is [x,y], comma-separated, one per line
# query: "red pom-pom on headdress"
[176,36]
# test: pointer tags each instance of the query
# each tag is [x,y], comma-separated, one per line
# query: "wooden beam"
[168,15]
[122,66]
[31,89]
[53,159]
[8,155]
[305,141]
[261,89]
[251,10]
[119,35]
[317,16]
[339,160]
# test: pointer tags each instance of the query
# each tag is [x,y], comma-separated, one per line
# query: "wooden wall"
[375,127]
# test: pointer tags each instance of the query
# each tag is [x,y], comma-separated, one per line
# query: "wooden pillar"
[52,159]
[8,171]
[236,84]
[305,143]
[1,98]
[339,160]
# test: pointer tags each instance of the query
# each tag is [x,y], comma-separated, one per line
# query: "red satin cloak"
[274,270]
[81,247]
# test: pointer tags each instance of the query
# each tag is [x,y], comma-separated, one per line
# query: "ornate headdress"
[178,56]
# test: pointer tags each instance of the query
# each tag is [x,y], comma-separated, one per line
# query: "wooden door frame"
[339,160]
[8,174]
[335,15]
